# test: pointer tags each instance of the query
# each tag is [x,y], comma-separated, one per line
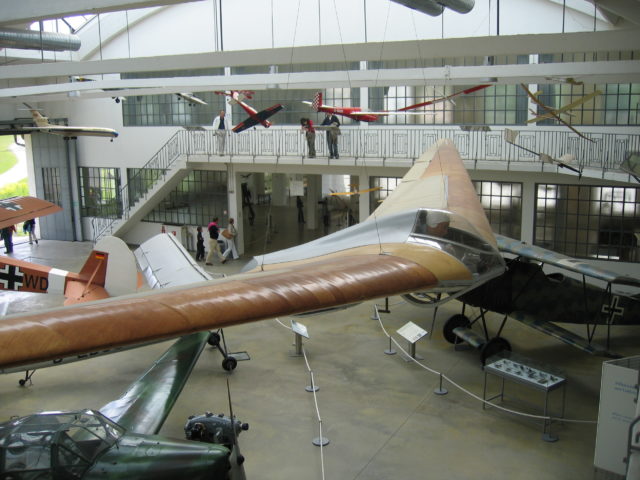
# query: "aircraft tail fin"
[317,102]
[110,270]
[39,119]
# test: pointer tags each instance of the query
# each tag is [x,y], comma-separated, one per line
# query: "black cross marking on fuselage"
[612,310]
[11,277]
[10,205]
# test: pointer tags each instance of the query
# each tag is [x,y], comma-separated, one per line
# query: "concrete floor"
[379,412]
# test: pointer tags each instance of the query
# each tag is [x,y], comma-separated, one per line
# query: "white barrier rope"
[315,400]
[468,392]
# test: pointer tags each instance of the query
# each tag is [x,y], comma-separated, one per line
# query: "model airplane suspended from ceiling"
[556,113]
[66,131]
[510,137]
[191,99]
[390,253]
[356,191]
[121,438]
[236,97]
[356,113]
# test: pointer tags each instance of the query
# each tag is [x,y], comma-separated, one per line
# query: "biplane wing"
[16,210]
[559,333]
[542,255]
[387,254]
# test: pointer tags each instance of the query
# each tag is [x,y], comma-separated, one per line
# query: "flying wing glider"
[429,234]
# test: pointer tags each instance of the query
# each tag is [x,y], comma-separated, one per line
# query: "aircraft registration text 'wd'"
[429,234]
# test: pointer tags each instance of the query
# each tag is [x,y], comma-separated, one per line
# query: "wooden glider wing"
[16,210]
[376,258]
[539,254]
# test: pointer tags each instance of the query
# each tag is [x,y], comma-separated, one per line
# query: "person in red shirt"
[310,133]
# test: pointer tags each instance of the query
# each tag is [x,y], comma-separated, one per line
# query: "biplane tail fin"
[110,270]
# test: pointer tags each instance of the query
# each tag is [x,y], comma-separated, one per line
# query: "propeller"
[236,458]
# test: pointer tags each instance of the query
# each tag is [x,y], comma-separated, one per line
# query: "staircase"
[153,182]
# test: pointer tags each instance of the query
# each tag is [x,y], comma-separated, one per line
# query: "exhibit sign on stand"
[618,404]
[412,333]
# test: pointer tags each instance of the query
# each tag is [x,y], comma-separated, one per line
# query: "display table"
[527,372]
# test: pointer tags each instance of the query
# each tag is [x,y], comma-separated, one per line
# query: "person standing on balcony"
[221,127]
[310,134]
[332,121]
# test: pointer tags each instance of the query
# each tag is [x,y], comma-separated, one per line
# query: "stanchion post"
[441,390]
[390,350]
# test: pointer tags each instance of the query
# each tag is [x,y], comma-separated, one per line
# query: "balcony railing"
[355,144]
[605,152]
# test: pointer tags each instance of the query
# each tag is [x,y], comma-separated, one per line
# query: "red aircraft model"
[237,97]
[356,113]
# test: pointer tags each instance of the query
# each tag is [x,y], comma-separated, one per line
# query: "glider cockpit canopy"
[454,235]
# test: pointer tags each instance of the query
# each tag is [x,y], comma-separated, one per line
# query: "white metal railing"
[606,151]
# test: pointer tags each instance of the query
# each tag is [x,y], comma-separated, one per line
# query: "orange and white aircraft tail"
[110,270]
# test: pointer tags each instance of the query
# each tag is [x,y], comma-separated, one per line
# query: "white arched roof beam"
[103,29]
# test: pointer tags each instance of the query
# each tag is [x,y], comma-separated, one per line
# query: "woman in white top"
[228,236]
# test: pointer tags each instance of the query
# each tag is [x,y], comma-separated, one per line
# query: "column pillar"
[279,189]
[314,194]
[363,199]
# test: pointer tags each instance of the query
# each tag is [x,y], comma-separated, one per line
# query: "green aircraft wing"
[145,405]
[516,247]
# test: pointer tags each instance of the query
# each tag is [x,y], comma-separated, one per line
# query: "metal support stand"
[412,333]
[412,352]
[299,331]
[321,441]
[441,390]
[312,387]
[386,309]
[390,350]
[297,342]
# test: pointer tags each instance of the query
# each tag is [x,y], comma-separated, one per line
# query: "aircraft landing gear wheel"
[456,321]
[22,382]
[214,339]
[493,347]
[229,363]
